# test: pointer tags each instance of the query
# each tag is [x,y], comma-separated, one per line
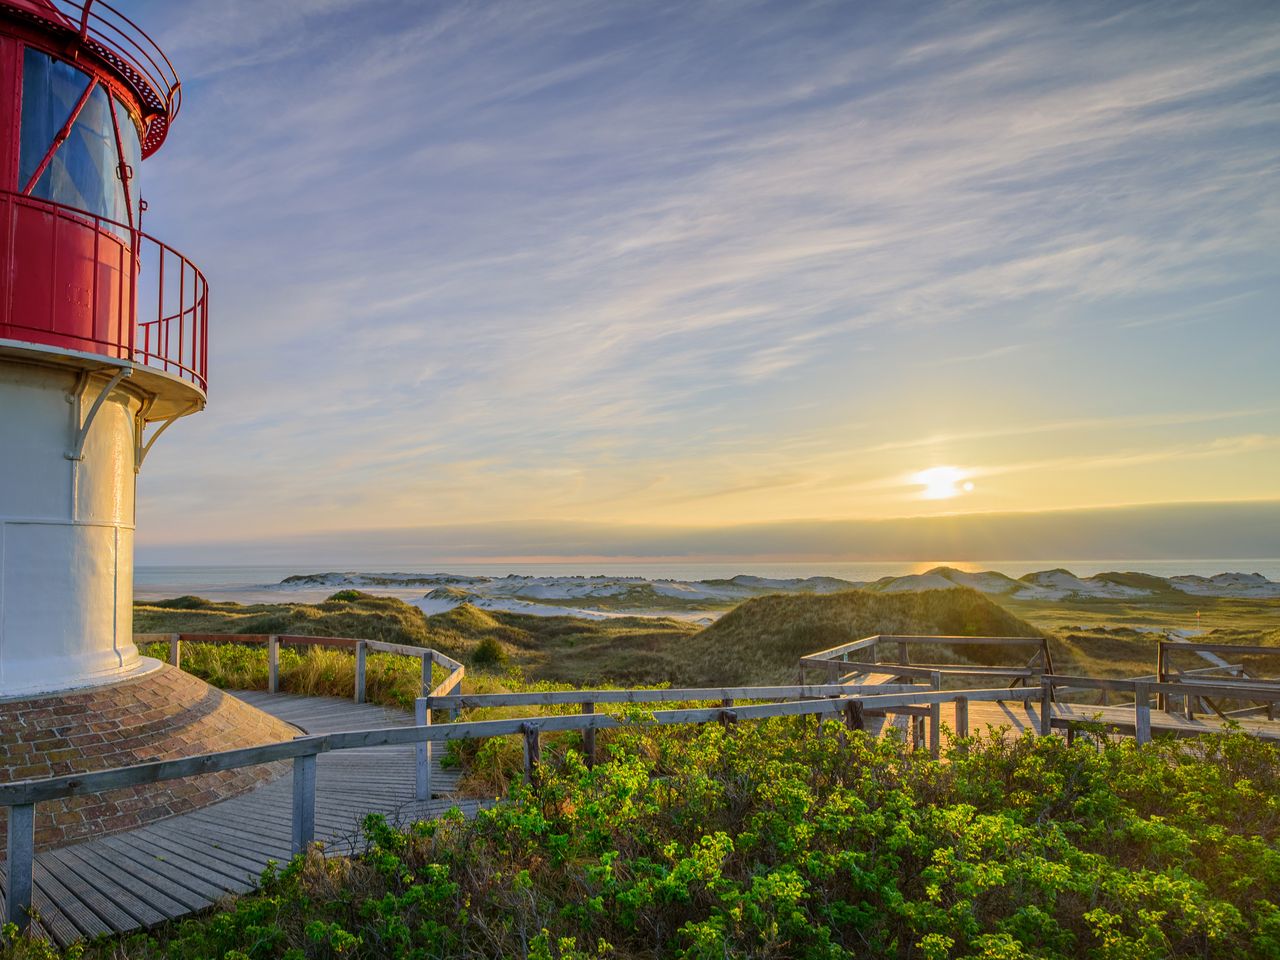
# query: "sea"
[250,583]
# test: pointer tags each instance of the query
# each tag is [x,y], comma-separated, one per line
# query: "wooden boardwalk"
[185,863]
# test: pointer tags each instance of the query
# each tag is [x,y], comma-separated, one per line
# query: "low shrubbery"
[782,839]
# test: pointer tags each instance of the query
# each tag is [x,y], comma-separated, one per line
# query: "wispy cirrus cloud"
[482,259]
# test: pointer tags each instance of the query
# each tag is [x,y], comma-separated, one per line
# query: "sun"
[942,483]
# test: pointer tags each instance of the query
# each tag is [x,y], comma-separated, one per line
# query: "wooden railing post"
[935,730]
[532,751]
[422,758]
[833,671]
[1162,701]
[728,716]
[21,861]
[175,650]
[427,676]
[362,654]
[304,802]
[853,715]
[273,664]
[1046,707]
[589,736]
[962,717]
[917,731]
[1142,712]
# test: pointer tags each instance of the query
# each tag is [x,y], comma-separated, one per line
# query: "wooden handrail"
[664,695]
[1234,688]
[1193,646]
[54,788]
[359,648]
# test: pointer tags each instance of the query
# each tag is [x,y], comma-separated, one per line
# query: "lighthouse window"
[84,172]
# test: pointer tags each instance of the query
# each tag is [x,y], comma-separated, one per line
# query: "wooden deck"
[186,863]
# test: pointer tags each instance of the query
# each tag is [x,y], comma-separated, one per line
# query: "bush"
[785,839]
[488,653]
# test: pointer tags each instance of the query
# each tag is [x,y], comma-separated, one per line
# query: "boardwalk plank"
[185,863]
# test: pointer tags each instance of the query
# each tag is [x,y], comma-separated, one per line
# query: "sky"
[724,266]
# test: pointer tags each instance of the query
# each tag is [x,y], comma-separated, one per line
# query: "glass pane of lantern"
[131,141]
[83,172]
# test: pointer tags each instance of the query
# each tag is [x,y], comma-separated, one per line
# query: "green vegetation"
[784,839]
[391,680]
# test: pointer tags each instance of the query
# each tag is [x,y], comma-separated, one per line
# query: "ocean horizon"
[158,581]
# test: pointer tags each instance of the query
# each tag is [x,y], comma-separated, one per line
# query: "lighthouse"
[103,346]
[103,333]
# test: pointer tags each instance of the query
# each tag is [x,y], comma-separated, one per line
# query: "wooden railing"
[1142,690]
[838,663]
[1169,672]
[360,649]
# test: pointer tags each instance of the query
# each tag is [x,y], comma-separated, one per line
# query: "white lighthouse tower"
[102,335]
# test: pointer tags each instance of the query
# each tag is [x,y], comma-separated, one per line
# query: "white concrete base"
[139,668]
[66,528]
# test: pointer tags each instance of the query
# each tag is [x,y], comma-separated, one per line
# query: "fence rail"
[360,649]
[836,661]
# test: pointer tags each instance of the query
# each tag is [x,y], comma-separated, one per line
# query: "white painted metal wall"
[66,530]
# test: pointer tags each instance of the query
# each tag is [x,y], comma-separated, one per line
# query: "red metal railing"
[79,281]
[111,36]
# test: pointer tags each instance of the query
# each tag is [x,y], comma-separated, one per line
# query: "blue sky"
[711,264]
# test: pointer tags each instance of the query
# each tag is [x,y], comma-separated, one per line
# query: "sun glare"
[942,483]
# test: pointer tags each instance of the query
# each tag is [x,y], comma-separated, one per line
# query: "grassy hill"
[347,613]
[763,639]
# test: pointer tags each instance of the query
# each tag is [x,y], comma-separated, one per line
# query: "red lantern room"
[103,338]
[85,97]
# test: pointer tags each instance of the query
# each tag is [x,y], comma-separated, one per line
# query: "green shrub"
[787,839]
[488,653]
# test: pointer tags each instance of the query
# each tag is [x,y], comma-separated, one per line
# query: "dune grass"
[390,679]
[348,613]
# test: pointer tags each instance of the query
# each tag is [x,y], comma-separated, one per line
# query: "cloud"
[452,246]
[1134,532]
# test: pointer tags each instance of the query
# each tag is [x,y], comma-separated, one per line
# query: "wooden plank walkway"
[183,864]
